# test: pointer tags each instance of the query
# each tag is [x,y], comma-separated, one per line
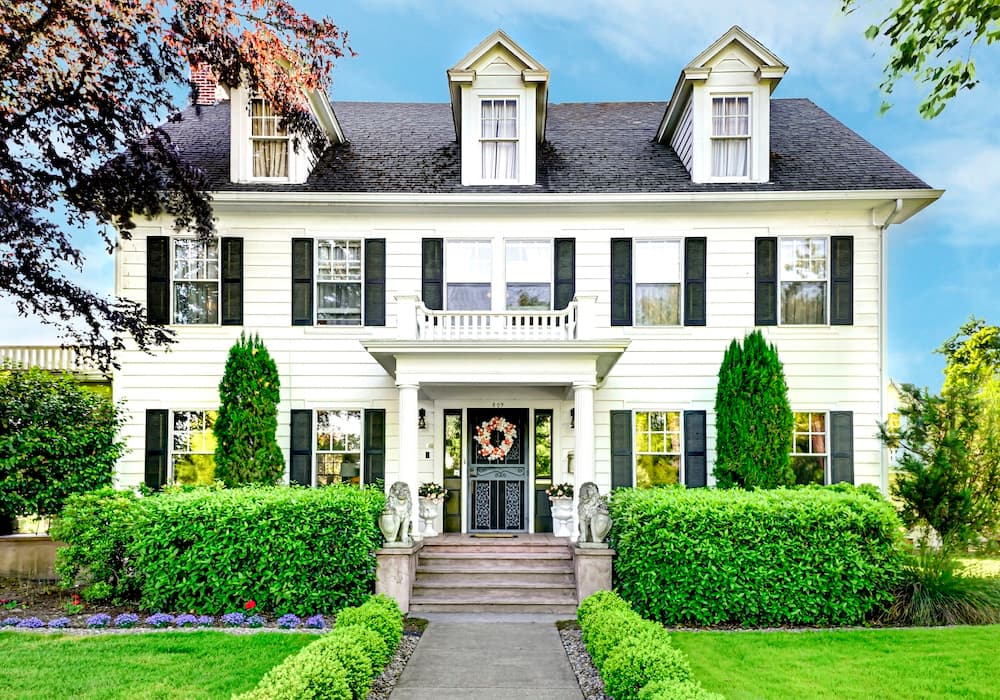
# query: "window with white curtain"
[338,282]
[802,273]
[528,272]
[196,281]
[498,139]
[468,273]
[268,139]
[657,277]
[731,136]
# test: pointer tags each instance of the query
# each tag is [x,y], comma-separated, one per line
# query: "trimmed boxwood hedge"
[292,550]
[809,556]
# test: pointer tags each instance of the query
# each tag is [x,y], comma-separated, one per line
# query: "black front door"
[498,469]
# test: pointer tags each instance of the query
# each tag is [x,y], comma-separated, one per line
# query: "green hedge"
[290,549]
[634,656]
[809,556]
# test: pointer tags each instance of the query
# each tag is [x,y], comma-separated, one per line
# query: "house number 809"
[498,404]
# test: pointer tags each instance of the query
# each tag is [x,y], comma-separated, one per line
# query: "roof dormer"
[499,95]
[718,119]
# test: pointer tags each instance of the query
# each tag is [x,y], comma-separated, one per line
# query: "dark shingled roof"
[589,147]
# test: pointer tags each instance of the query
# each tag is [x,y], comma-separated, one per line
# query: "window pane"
[731,157]
[528,296]
[453,444]
[338,304]
[803,259]
[730,116]
[657,440]
[196,302]
[803,302]
[528,261]
[543,445]
[338,261]
[270,158]
[657,470]
[469,297]
[657,304]
[657,261]
[338,447]
[469,261]
[193,453]
[809,470]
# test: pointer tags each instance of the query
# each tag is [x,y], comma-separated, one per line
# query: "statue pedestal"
[395,570]
[592,562]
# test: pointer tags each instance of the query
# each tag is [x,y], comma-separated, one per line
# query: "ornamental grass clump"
[935,590]
[126,620]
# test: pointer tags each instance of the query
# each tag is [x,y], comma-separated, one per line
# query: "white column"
[408,447]
[586,316]
[406,316]
[583,453]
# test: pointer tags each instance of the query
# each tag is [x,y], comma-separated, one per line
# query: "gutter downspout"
[883,326]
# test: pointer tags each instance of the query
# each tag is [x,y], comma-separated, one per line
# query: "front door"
[498,469]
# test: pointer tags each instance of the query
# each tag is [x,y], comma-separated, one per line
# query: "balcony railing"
[48,357]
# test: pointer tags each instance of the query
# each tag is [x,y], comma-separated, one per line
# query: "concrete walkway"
[487,660]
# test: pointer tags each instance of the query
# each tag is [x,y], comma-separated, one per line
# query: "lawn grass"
[950,662]
[987,566]
[152,665]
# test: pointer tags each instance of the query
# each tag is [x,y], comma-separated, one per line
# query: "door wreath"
[484,437]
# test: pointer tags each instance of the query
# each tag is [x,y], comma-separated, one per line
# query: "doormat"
[495,535]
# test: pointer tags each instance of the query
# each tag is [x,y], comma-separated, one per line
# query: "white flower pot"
[562,515]
[430,509]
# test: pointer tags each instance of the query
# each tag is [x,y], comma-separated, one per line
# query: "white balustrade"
[48,357]
[496,325]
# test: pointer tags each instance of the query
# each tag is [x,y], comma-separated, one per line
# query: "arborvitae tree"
[753,420]
[246,450]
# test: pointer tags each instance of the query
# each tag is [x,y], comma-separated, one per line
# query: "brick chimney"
[205,83]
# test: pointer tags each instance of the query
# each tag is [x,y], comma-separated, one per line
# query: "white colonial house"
[498,293]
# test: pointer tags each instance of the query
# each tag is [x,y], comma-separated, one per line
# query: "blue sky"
[944,264]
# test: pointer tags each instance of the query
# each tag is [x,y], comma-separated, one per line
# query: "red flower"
[76,599]
[250,605]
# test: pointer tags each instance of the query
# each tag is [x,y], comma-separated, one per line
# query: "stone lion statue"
[402,507]
[594,519]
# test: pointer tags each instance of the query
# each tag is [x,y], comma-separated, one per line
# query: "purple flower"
[289,621]
[30,623]
[233,619]
[59,623]
[255,621]
[159,619]
[127,620]
[205,621]
[10,622]
[99,620]
[316,622]
[185,620]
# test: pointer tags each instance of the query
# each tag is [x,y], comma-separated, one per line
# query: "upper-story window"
[657,280]
[469,275]
[269,141]
[528,273]
[338,282]
[802,275]
[196,281]
[498,139]
[731,137]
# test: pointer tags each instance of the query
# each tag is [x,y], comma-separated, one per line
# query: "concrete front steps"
[460,574]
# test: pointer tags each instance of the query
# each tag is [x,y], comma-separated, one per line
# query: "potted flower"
[561,498]
[431,496]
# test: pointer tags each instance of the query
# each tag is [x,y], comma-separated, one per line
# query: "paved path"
[488,660]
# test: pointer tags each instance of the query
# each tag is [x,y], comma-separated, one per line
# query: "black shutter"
[842,280]
[841,446]
[621,448]
[300,469]
[302,281]
[432,273]
[621,281]
[694,281]
[232,281]
[375,282]
[374,445]
[564,274]
[766,282]
[158,280]
[695,467]
[156,448]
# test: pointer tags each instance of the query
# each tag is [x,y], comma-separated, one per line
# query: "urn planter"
[562,515]
[430,509]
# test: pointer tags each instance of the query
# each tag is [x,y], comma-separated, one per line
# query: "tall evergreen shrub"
[246,450]
[753,420]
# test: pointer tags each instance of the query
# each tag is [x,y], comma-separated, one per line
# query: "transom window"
[196,281]
[498,139]
[657,272]
[269,141]
[802,273]
[809,448]
[338,447]
[192,454]
[468,275]
[731,137]
[657,448]
[529,275]
[338,282]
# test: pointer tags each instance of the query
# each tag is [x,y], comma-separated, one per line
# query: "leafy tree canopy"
[933,40]
[85,84]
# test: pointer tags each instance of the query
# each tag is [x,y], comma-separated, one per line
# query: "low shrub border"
[634,656]
[809,556]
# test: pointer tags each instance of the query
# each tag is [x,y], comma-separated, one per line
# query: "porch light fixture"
[422,419]
[572,418]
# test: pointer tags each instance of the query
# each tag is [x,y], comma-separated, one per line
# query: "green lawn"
[152,665]
[952,662]
[982,567]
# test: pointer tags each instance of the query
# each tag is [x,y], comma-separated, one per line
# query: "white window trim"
[751,125]
[472,156]
[681,470]
[826,442]
[171,452]
[316,282]
[287,138]
[516,140]
[827,281]
[314,466]
[551,272]
[679,240]
[174,280]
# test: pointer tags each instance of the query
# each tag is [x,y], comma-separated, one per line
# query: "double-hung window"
[469,275]
[657,448]
[338,447]
[338,282]
[192,454]
[731,137]
[196,281]
[802,275]
[657,278]
[810,448]
[269,141]
[528,273]
[499,139]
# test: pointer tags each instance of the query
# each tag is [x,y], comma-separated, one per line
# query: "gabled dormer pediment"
[499,98]
[718,118]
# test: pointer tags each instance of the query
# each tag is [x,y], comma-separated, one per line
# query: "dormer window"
[269,141]
[499,139]
[731,137]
